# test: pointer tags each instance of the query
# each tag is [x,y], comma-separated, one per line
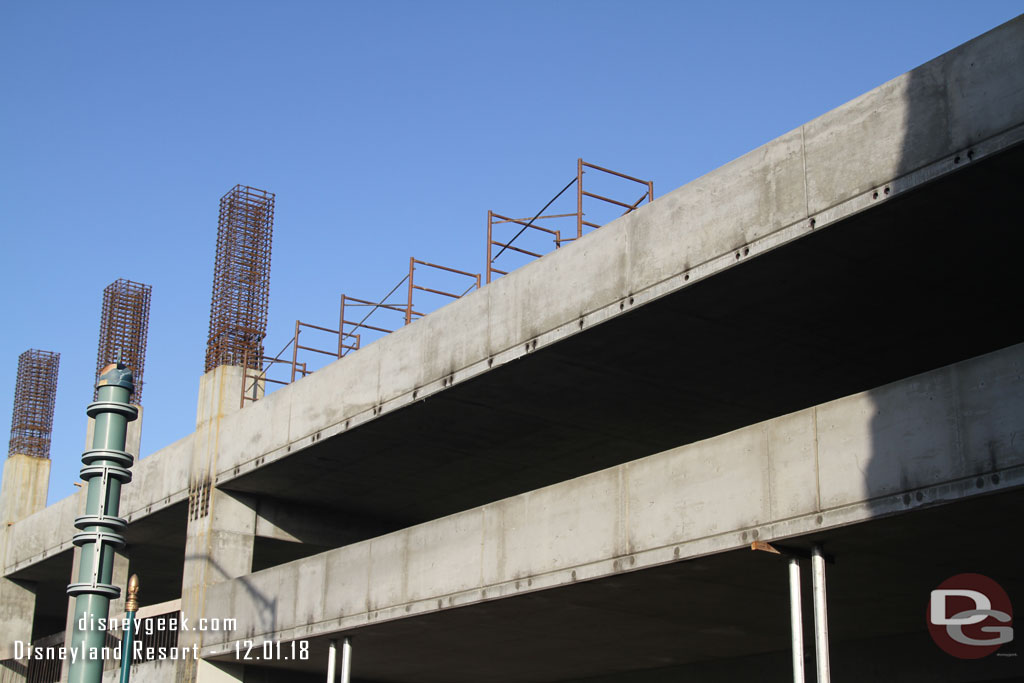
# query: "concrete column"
[218,547]
[221,525]
[220,394]
[23,491]
[17,608]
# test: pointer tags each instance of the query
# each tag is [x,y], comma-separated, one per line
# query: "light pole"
[105,468]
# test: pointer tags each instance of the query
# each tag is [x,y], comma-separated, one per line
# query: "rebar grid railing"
[241,278]
[494,220]
[35,391]
[124,327]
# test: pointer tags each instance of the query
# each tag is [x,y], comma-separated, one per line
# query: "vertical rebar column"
[105,467]
[35,391]
[124,326]
[796,621]
[241,278]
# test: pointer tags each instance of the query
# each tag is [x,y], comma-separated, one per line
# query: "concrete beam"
[158,481]
[935,438]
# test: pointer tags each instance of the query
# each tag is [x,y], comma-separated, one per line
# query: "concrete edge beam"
[931,439]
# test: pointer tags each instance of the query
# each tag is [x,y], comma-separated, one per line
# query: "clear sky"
[386,129]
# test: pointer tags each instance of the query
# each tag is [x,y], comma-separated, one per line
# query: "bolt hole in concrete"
[970,154]
[956,159]
[887,190]
[813,223]
[746,250]
[874,195]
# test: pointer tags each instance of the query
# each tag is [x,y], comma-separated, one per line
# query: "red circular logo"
[969,616]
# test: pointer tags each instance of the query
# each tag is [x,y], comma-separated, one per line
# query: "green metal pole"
[105,467]
[131,606]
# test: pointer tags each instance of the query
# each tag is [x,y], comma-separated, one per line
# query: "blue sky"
[386,129]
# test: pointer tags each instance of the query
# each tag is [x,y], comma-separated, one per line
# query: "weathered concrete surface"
[23,492]
[17,603]
[939,437]
[220,394]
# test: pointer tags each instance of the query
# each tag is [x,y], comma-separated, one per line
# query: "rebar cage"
[35,391]
[124,327]
[241,278]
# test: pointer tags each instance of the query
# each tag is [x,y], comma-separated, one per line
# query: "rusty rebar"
[35,391]
[241,278]
[124,327]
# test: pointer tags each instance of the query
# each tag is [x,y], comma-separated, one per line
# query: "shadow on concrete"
[922,433]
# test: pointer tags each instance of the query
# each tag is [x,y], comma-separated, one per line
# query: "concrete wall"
[921,441]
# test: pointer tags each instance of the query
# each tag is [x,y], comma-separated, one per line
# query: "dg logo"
[969,616]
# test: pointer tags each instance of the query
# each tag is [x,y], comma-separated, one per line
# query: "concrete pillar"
[218,547]
[220,394]
[221,525]
[23,491]
[17,608]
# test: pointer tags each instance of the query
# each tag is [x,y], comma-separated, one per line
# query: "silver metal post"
[820,615]
[346,660]
[332,657]
[796,621]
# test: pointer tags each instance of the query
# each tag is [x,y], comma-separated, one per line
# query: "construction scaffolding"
[241,278]
[572,229]
[124,327]
[35,391]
